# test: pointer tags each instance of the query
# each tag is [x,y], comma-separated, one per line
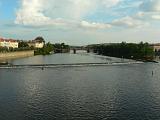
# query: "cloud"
[150,6]
[110,3]
[31,12]
[156,17]
[150,9]
[129,22]
[59,12]
[68,9]
[148,16]
[94,25]
[72,13]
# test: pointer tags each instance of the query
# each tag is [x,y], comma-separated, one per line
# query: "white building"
[36,44]
[156,46]
[9,43]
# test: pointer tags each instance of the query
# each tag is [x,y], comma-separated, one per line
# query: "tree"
[40,39]
[47,49]
[61,48]
[23,44]
[141,51]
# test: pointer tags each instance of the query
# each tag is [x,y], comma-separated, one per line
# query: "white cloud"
[151,6]
[31,13]
[59,12]
[110,3]
[156,17]
[71,13]
[94,25]
[148,16]
[68,9]
[150,9]
[129,22]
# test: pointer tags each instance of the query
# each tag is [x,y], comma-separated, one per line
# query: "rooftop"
[7,40]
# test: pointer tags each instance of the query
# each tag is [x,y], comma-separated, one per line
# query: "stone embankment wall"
[18,54]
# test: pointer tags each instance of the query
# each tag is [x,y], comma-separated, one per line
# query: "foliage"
[23,44]
[126,50]
[41,39]
[47,49]
[61,48]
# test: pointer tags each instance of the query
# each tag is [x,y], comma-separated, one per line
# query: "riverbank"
[14,55]
[140,52]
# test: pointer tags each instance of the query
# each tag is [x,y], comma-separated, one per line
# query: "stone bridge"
[77,48]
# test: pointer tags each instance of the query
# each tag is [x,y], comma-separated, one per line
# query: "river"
[113,92]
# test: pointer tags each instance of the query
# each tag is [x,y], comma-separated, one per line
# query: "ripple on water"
[126,92]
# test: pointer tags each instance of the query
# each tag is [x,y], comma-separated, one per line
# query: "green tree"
[40,39]
[126,50]
[23,44]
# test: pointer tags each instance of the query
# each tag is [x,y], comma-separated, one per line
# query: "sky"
[81,22]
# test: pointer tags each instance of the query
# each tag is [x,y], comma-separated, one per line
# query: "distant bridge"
[76,48]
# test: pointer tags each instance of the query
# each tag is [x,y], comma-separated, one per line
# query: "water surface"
[67,58]
[121,92]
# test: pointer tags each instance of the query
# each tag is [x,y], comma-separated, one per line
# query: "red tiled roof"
[7,40]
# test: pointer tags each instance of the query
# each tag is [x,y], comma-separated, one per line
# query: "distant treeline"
[141,51]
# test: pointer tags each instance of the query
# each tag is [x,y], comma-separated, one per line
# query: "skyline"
[81,21]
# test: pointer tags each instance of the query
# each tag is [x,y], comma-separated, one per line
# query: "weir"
[66,65]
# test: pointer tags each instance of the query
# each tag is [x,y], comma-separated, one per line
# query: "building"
[36,43]
[8,43]
[156,47]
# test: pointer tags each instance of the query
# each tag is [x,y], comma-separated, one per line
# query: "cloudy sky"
[81,21]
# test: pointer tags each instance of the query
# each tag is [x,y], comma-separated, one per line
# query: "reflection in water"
[127,92]
[66,59]
[113,92]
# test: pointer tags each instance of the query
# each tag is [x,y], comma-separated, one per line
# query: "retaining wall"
[18,54]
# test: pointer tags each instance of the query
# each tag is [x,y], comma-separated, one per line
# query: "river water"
[81,57]
[119,92]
